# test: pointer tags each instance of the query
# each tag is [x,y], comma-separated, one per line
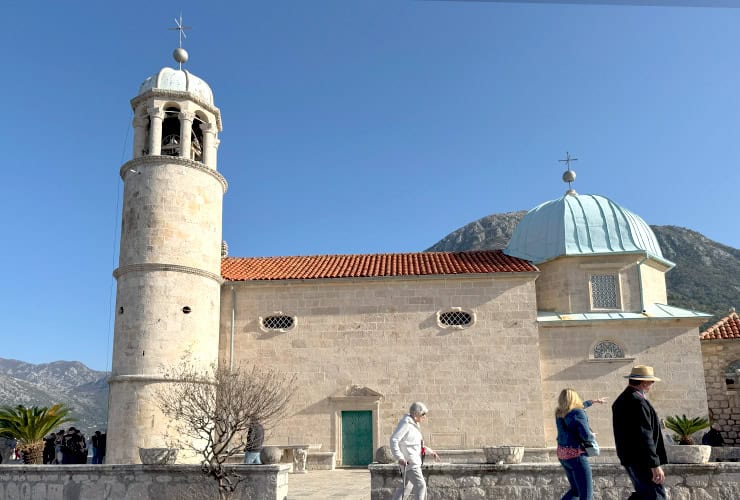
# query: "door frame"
[354,403]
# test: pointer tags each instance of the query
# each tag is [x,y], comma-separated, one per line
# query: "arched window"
[196,148]
[608,349]
[455,317]
[732,375]
[171,132]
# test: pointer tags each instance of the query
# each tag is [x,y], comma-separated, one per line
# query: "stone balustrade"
[135,482]
[546,481]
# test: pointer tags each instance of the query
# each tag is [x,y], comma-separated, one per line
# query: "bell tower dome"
[169,272]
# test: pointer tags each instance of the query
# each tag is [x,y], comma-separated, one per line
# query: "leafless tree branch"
[212,408]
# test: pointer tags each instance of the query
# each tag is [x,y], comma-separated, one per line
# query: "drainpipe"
[233,316]
[639,281]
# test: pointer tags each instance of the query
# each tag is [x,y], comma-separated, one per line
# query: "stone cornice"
[149,378]
[164,160]
[178,94]
[148,267]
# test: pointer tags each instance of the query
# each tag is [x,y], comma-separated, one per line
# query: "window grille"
[455,318]
[278,322]
[604,291]
[606,349]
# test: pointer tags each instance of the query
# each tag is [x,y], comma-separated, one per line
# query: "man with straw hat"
[638,436]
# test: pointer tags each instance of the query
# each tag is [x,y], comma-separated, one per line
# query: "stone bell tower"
[169,272]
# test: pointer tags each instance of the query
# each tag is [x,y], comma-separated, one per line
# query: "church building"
[486,339]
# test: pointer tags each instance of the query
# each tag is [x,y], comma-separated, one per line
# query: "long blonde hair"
[567,401]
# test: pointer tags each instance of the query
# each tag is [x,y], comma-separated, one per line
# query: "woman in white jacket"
[408,448]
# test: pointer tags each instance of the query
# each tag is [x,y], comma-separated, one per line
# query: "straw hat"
[642,372]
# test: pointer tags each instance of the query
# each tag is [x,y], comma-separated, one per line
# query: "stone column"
[209,134]
[214,160]
[156,116]
[186,133]
[139,123]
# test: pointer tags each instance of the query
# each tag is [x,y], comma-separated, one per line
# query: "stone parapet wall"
[531,455]
[129,482]
[718,481]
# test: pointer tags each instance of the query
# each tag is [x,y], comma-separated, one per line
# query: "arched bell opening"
[196,149]
[171,132]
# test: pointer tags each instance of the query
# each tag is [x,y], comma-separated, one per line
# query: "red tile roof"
[373,265]
[726,328]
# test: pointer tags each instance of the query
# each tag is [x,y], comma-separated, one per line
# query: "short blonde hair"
[567,401]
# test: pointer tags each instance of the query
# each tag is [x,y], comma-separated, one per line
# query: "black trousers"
[645,488]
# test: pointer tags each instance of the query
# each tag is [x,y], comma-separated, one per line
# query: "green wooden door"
[357,438]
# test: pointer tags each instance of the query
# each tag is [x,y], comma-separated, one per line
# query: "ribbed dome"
[580,225]
[178,79]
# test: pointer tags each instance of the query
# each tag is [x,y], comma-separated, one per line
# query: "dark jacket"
[255,437]
[637,433]
[573,429]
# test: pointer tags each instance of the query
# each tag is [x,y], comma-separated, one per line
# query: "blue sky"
[352,126]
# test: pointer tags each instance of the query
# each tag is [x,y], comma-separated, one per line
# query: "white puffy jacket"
[406,441]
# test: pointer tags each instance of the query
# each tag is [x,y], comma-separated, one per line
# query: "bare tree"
[212,408]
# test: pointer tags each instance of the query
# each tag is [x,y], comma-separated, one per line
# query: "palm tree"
[684,427]
[29,426]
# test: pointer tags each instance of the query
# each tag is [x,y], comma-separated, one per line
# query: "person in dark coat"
[49,448]
[98,447]
[255,439]
[638,436]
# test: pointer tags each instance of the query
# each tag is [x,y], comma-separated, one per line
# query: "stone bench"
[297,454]
[321,460]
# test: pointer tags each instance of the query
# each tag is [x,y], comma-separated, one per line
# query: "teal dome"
[581,225]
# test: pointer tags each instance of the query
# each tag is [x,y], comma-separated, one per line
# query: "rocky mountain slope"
[83,390]
[706,276]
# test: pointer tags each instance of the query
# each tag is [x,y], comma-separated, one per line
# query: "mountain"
[81,389]
[706,277]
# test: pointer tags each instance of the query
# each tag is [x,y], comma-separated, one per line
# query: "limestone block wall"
[135,482]
[172,211]
[564,283]
[723,400]
[670,346]
[481,383]
[653,282]
[548,482]
[136,349]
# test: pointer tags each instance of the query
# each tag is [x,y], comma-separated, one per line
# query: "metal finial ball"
[180,55]
[569,176]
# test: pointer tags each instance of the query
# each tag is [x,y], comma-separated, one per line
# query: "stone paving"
[345,484]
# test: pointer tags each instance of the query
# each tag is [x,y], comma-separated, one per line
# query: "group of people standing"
[637,435]
[70,447]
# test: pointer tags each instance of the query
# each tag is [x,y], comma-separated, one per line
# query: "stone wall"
[670,346]
[548,482]
[723,400]
[135,482]
[481,383]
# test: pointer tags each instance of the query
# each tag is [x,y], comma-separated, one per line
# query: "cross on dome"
[180,54]
[569,175]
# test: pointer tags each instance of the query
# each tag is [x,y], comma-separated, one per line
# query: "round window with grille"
[278,322]
[455,318]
